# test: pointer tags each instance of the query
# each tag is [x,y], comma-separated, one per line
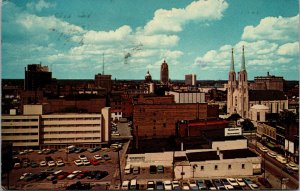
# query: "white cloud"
[174,19]
[273,28]
[289,49]
[39,6]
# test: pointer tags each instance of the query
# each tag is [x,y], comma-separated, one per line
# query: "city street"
[274,169]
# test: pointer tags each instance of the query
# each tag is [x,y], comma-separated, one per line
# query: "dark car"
[33,164]
[159,185]
[101,174]
[219,185]
[152,169]
[209,185]
[92,174]
[42,176]
[31,177]
[288,170]
[80,150]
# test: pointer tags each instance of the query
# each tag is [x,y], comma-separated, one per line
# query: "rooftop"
[265,95]
[202,156]
[238,153]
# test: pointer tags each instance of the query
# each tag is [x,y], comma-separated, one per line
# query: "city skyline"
[132,37]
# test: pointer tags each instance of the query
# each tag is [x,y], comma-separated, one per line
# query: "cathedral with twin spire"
[237,90]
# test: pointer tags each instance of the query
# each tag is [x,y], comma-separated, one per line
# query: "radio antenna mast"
[102,63]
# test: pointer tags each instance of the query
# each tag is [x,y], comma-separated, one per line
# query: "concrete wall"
[230,144]
[147,159]
[251,165]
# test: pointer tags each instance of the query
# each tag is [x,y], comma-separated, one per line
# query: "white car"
[86,162]
[240,182]
[292,166]
[82,157]
[232,181]
[263,149]
[253,186]
[78,162]
[175,185]
[272,154]
[97,157]
[73,174]
[60,163]
[51,163]
[43,163]
[168,185]
[24,175]
[193,185]
[40,152]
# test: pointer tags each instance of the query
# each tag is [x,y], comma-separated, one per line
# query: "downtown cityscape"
[140,95]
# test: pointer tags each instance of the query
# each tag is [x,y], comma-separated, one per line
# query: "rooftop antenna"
[102,63]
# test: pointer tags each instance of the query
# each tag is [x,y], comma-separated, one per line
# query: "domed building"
[148,77]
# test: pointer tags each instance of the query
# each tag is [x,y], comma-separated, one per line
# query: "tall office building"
[164,73]
[103,81]
[190,79]
[37,77]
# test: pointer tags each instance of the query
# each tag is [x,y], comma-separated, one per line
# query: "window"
[202,167]
[164,124]
[216,167]
[243,166]
[258,116]
[229,166]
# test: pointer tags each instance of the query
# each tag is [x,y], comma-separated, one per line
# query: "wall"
[146,159]
[230,144]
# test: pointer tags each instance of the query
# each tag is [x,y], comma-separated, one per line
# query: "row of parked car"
[290,167]
[214,184]
[52,175]
[84,161]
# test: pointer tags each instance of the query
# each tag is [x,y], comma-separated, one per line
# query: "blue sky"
[71,37]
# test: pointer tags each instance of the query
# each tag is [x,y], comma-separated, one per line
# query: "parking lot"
[105,165]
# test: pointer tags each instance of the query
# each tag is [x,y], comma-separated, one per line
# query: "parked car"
[82,157]
[152,169]
[17,165]
[201,185]
[263,149]
[78,162]
[240,182]
[97,157]
[281,159]
[209,185]
[185,186]
[30,177]
[62,176]
[24,175]
[51,163]
[293,166]
[288,170]
[226,184]
[79,150]
[94,162]
[43,163]
[218,184]
[193,185]
[251,184]
[175,185]
[33,164]
[73,174]
[101,174]
[167,185]
[159,185]
[60,163]
[106,157]
[86,162]
[150,185]
[136,170]
[233,182]
[160,169]
[272,154]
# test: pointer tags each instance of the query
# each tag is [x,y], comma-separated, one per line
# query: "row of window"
[72,119]
[26,141]
[70,132]
[73,125]
[19,120]
[73,139]
[229,167]
[20,127]
[17,134]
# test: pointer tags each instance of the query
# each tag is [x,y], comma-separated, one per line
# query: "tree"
[287,118]
[247,125]
[234,117]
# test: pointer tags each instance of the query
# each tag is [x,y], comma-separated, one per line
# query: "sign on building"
[233,131]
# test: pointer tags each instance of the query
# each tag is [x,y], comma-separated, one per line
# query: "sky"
[74,38]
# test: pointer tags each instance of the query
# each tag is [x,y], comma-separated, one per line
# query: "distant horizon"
[74,38]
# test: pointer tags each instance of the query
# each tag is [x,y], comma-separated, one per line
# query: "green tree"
[247,125]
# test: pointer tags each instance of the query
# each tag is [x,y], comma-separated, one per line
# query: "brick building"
[158,120]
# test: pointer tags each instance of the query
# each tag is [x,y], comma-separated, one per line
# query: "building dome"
[148,77]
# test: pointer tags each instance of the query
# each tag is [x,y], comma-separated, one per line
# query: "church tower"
[243,95]
[231,87]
